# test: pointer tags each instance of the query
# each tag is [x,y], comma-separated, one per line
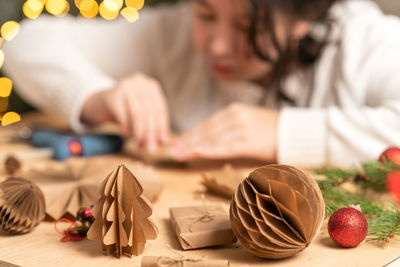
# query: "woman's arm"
[58,63]
[365,118]
[50,71]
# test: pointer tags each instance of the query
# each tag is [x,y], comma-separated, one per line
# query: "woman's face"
[220,33]
[220,30]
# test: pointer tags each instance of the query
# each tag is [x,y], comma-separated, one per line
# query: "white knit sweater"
[347,106]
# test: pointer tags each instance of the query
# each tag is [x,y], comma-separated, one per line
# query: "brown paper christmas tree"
[22,206]
[122,214]
[73,184]
[277,211]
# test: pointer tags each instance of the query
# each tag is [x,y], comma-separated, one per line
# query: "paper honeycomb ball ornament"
[277,211]
[22,205]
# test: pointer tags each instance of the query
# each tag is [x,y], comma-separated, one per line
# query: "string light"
[108,9]
[136,4]
[113,5]
[130,14]
[106,13]
[78,3]
[85,5]
[9,118]
[56,7]
[9,30]
[90,12]
[5,87]
[29,12]
[35,5]
[66,10]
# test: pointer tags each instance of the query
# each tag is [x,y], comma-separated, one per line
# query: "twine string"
[205,218]
[177,259]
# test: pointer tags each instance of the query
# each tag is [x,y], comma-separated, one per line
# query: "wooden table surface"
[181,187]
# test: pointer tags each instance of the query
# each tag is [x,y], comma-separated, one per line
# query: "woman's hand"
[138,105]
[239,130]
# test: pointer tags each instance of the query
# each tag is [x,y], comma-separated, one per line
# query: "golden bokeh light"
[108,9]
[66,10]
[78,3]
[92,12]
[1,58]
[107,13]
[5,87]
[9,118]
[9,30]
[130,14]
[85,5]
[56,7]
[35,5]
[113,5]
[29,12]
[136,4]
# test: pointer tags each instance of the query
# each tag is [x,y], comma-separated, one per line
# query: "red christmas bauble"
[391,154]
[393,184]
[347,227]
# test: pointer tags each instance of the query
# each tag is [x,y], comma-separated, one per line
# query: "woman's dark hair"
[291,53]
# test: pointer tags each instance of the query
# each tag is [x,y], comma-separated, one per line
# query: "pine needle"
[383,222]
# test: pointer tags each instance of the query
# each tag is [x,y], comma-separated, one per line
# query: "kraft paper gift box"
[202,226]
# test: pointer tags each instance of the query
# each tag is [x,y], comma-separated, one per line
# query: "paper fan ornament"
[277,211]
[22,205]
[223,182]
[121,215]
[71,185]
[66,186]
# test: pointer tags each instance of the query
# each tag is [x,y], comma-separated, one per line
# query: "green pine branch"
[383,222]
[384,227]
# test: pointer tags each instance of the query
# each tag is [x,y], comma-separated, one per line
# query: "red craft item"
[347,227]
[67,236]
[391,154]
[75,147]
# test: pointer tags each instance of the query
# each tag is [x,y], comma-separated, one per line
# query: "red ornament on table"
[347,227]
[390,154]
[393,184]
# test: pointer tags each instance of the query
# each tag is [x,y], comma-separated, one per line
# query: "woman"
[304,82]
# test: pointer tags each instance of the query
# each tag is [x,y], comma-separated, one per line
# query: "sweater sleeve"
[50,71]
[362,115]
[58,63]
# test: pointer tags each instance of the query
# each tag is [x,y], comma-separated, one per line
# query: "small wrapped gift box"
[152,261]
[202,226]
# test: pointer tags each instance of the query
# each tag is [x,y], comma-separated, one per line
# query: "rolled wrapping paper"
[277,211]
[154,261]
